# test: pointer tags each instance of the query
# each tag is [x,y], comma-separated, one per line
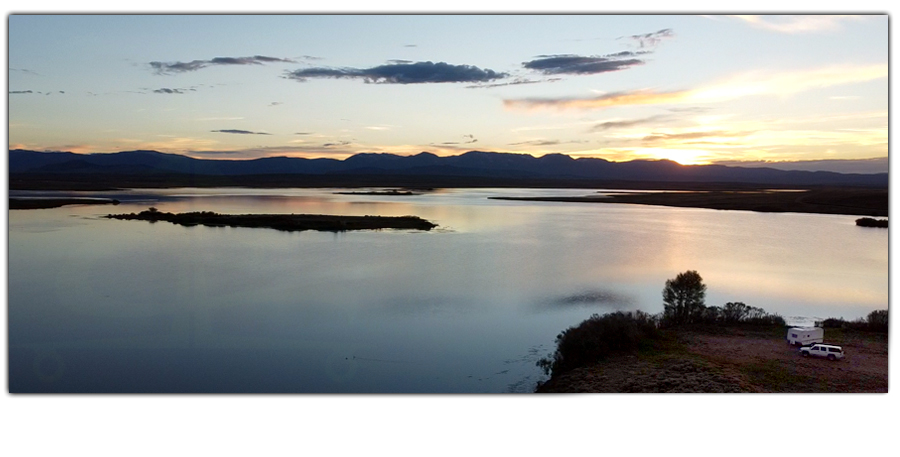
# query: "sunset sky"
[695,89]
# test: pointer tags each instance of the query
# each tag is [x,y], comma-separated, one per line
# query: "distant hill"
[482,166]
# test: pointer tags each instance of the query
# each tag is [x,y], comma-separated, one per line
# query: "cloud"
[402,73]
[410,46]
[23,70]
[470,139]
[625,123]
[22,92]
[545,142]
[635,97]
[165,90]
[798,24]
[302,133]
[582,65]
[514,82]
[194,65]
[744,85]
[239,132]
[276,103]
[650,40]
[336,144]
[662,137]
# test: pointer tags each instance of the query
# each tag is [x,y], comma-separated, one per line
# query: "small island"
[391,192]
[869,222]
[283,222]
[45,203]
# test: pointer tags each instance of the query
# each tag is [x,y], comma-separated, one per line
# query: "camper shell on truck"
[804,336]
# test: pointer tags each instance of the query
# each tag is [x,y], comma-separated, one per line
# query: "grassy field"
[735,359]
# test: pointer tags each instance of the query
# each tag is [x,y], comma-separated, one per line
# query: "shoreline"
[840,201]
[46,203]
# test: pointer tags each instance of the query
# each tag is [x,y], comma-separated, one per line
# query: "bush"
[876,321]
[599,336]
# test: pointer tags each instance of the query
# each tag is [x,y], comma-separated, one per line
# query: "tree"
[878,320]
[735,312]
[684,298]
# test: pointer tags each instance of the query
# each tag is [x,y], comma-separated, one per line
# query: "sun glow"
[682,156]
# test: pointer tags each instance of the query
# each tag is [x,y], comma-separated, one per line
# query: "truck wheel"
[831,357]
[804,354]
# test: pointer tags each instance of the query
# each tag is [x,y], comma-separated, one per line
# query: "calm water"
[98,305]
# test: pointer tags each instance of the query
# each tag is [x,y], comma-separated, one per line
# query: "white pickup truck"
[829,351]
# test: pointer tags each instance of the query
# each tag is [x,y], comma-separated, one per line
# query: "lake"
[100,305]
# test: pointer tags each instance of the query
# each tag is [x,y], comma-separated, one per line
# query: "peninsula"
[283,222]
[44,203]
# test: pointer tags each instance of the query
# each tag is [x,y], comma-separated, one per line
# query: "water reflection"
[107,305]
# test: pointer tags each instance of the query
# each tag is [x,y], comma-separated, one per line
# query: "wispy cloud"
[469,140]
[649,40]
[166,90]
[751,84]
[545,142]
[514,82]
[36,92]
[24,70]
[239,132]
[194,65]
[583,65]
[626,123]
[682,136]
[635,97]
[402,73]
[798,24]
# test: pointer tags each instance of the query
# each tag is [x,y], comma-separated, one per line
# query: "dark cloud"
[410,46]
[339,143]
[276,103]
[514,82]
[582,65]
[165,90]
[403,73]
[303,133]
[650,40]
[20,92]
[239,132]
[194,65]
[609,125]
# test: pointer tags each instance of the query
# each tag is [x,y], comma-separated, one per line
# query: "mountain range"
[484,166]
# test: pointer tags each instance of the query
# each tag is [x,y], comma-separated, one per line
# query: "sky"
[697,89]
